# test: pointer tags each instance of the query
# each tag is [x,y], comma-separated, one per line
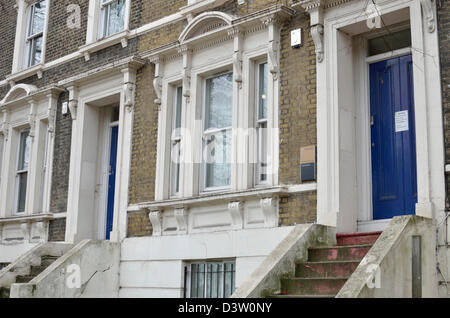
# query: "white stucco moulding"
[236,209]
[156,221]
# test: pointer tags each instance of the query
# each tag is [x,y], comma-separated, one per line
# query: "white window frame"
[20,59]
[188,275]
[31,39]
[175,140]
[259,122]
[18,172]
[103,25]
[208,132]
[94,30]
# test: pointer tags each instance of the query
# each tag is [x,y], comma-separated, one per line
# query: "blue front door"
[111,181]
[394,175]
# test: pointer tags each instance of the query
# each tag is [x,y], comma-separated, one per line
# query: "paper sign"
[401,121]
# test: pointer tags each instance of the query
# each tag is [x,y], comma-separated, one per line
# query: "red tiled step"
[312,286]
[338,253]
[356,238]
[325,269]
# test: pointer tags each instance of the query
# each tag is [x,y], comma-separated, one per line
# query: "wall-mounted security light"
[296,38]
[65,108]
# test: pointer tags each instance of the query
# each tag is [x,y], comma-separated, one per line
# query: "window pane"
[36,52]
[175,167]
[219,101]
[24,151]
[390,42]
[201,281]
[218,158]
[229,280]
[38,18]
[194,280]
[178,104]
[116,15]
[262,151]
[262,95]
[22,183]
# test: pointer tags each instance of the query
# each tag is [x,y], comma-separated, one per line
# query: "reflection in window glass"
[176,143]
[113,14]
[217,130]
[261,123]
[390,42]
[22,170]
[35,33]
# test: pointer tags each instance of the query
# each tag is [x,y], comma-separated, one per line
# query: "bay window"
[112,17]
[35,33]
[261,122]
[22,170]
[218,103]
[176,142]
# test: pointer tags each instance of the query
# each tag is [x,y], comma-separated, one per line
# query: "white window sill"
[28,72]
[31,218]
[121,37]
[210,198]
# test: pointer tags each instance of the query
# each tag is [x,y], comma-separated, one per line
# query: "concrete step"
[312,286]
[325,269]
[338,253]
[24,279]
[4,292]
[47,260]
[357,238]
[36,270]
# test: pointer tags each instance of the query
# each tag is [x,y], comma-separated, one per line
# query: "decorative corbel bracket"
[128,90]
[317,36]
[269,207]
[236,210]
[187,58]
[157,81]
[237,55]
[428,13]
[129,86]
[180,214]
[25,228]
[273,23]
[73,101]
[315,10]
[32,117]
[51,112]
[5,123]
[156,221]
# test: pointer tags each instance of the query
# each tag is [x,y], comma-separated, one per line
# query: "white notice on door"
[401,121]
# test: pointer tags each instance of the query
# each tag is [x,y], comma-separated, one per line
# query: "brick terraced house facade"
[197,147]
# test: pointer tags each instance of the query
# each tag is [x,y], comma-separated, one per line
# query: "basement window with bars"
[210,279]
[35,33]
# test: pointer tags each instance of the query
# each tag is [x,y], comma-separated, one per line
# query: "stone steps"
[312,285]
[328,267]
[46,261]
[338,253]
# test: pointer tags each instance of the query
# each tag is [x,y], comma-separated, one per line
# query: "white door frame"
[334,182]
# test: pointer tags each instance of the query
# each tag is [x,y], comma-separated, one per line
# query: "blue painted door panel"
[394,181]
[111,181]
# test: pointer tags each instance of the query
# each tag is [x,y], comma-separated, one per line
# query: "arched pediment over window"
[205,23]
[18,91]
